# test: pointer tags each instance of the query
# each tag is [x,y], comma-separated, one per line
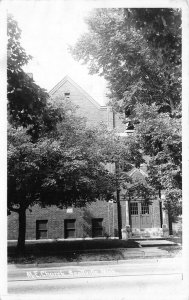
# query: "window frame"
[145,208]
[67,229]
[97,228]
[39,230]
[134,208]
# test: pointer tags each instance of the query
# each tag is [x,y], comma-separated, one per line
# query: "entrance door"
[145,215]
[135,215]
[140,215]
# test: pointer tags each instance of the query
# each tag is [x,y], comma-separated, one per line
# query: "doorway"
[140,213]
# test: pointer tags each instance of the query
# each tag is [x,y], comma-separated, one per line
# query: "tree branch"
[14,209]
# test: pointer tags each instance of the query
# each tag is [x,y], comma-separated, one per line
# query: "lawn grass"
[75,257]
[175,239]
[71,251]
[171,249]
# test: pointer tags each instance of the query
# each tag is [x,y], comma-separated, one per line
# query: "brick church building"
[98,219]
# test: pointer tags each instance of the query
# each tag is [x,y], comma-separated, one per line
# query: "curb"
[158,245]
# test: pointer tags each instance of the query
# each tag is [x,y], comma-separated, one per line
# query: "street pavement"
[132,279]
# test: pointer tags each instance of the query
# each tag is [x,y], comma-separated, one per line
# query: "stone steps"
[147,233]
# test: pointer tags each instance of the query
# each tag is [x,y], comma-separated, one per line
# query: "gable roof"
[82,91]
[137,171]
[138,175]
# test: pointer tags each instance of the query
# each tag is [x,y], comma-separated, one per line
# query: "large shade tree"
[64,167]
[27,101]
[29,108]
[53,158]
[138,51]
[160,138]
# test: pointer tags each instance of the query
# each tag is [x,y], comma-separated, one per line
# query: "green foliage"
[22,168]
[27,102]
[138,51]
[140,191]
[160,137]
[173,203]
[52,157]
[67,165]
[64,167]
[17,56]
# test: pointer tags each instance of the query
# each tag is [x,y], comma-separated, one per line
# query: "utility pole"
[119,218]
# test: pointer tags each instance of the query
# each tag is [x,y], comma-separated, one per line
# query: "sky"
[48,27]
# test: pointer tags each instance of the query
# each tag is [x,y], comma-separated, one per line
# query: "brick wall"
[94,114]
[55,216]
[156,222]
[83,216]
[12,229]
[88,107]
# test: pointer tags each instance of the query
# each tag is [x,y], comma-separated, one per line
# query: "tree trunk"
[171,105]
[21,232]
[170,224]
[119,219]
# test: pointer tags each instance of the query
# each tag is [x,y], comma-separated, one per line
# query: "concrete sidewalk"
[155,243]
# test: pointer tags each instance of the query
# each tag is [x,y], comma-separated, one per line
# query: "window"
[67,95]
[145,208]
[134,208]
[41,229]
[97,229]
[69,228]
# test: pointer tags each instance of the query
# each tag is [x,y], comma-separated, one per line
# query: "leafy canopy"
[65,167]
[27,102]
[138,52]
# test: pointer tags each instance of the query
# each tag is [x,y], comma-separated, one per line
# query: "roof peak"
[70,80]
[139,170]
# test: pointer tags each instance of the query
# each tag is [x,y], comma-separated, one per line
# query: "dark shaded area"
[70,250]
[75,256]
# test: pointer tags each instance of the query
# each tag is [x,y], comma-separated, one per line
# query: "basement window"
[97,229]
[41,229]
